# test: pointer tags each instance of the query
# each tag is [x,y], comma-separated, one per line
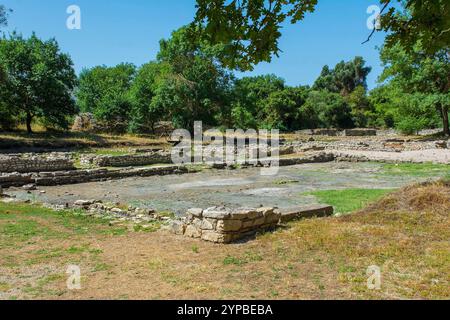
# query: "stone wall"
[360,132]
[159,157]
[223,225]
[35,163]
[357,132]
[82,176]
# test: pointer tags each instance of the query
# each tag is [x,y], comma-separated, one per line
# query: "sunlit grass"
[349,200]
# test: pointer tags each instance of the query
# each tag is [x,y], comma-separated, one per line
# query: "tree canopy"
[3,15]
[344,78]
[103,91]
[250,30]
[422,81]
[39,80]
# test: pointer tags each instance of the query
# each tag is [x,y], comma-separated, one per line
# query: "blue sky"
[116,31]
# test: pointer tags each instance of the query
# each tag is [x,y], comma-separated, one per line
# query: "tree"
[196,88]
[324,109]
[104,92]
[422,79]
[250,95]
[363,113]
[282,108]
[344,78]
[39,80]
[143,114]
[4,15]
[250,29]
[424,21]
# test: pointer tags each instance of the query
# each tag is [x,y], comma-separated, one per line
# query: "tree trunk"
[445,120]
[29,118]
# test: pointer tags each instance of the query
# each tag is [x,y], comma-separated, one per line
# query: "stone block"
[178,227]
[195,212]
[243,213]
[228,225]
[216,237]
[208,224]
[217,213]
[192,232]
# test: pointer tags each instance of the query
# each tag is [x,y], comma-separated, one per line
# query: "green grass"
[22,222]
[349,200]
[417,169]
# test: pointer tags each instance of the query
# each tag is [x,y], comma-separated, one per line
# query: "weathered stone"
[216,237]
[208,224]
[29,187]
[228,225]
[248,224]
[192,232]
[259,221]
[178,227]
[195,212]
[265,211]
[83,203]
[305,212]
[243,213]
[217,213]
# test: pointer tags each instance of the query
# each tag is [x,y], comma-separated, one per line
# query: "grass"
[405,233]
[74,140]
[349,200]
[417,169]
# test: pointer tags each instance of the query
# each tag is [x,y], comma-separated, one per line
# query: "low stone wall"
[360,132]
[35,163]
[223,225]
[128,160]
[82,176]
[357,132]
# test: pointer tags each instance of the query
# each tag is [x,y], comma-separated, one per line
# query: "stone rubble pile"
[115,213]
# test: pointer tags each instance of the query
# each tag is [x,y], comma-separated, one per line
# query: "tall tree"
[3,15]
[251,29]
[282,108]
[104,92]
[197,87]
[39,80]
[250,95]
[423,79]
[344,78]
[144,114]
[324,109]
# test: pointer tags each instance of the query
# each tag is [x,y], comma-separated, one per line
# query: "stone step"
[302,212]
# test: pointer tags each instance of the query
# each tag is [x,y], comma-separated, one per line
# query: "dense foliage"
[191,80]
[37,82]
[251,29]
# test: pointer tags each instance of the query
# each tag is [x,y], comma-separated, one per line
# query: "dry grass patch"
[406,234]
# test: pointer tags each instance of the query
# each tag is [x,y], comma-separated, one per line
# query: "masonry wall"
[82,176]
[223,225]
[128,160]
[34,163]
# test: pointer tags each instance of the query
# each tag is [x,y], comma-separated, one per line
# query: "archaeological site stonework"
[224,225]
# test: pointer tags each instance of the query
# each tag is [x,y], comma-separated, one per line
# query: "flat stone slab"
[302,212]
